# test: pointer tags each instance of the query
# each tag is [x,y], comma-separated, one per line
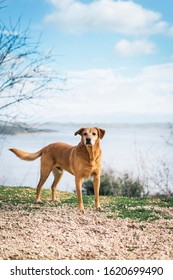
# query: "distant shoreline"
[10,129]
[50,127]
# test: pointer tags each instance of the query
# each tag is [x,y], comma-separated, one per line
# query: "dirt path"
[63,233]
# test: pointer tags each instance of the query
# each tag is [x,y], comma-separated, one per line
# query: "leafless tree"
[169,140]
[155,173]
[25,72]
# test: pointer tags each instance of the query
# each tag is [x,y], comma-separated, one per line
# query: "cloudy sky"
[117,57]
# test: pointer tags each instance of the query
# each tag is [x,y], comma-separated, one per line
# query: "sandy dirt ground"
[63,233]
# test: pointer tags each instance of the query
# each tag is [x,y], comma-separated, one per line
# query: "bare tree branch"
[25,72]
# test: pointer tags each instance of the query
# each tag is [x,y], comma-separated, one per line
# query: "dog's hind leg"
[57,172]
[45,170]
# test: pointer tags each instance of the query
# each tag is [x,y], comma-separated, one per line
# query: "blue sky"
[117,57]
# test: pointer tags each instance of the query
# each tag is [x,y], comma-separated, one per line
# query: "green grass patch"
[141,214]
[25,198]
[139,209]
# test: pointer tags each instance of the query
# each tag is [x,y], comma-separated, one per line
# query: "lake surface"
[137,149]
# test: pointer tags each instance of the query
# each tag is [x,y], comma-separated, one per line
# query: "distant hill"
[13,129]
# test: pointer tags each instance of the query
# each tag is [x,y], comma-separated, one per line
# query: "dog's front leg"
[96,190]
[79,193]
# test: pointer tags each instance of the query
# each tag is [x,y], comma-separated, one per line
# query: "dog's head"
[90,135]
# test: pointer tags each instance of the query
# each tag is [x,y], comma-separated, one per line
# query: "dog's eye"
[94,134]
[85,134]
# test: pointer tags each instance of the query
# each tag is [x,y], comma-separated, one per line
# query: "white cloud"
[125,17]
[104,94]
[134,48]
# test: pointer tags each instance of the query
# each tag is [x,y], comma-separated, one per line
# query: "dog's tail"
[26,156]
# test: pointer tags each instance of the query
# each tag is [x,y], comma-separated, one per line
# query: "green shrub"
[112,185]
[131,187]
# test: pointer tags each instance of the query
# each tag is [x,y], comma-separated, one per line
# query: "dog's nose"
[88,141]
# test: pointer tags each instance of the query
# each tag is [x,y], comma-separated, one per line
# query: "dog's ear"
[101,132]
[79,131]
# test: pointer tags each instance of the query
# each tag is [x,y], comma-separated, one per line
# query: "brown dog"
[83,161]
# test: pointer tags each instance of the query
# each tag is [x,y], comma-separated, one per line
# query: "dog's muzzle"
[88,141]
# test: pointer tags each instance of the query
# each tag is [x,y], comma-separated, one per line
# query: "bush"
[131,187]
[111,185]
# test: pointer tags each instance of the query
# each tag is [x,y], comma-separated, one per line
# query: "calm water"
[141,150]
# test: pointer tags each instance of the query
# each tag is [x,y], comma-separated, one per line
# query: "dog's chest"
[89,168]
[86,162]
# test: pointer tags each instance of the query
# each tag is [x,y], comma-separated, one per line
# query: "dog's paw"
[81,209]
[54,201]
[39,202]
